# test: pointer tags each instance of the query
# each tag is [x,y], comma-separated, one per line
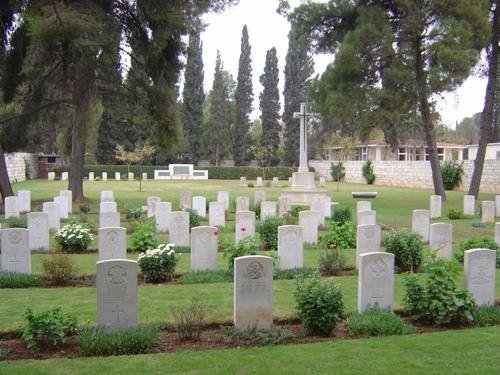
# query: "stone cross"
[303,116]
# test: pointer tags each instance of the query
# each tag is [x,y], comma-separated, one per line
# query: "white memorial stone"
[38,227]
[363,206]
[420,224]
[151,201]
[440,239]
[107,207]
[179,228]
[322,182]
[11,207]
[185,200]
[223,197]
[284,206]
[479,275]
[367,217]
[104,176]
[290,247]
[144,176]
[53,210]
[375,281]
[112,243]
[91,176]
[436,204]
[469,205]
[24,199]
[276,182]
[267,209]
[63,206]
[243,182]
[308,220]
[69,196]
[200,206]
[497,205]
[318,208]
[258,196]
[64,176]
[216,214]
[51,176]
[368,239]
[245,225]
[109,219]
[488,212]
[497,233]
[162,216]
[259,182]
[16,255]
[242,204]
[107,196]
[327,205]
[204,248]
[117,176]
[130,176]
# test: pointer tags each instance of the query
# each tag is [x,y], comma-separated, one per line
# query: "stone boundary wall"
[410,173]
[17,163]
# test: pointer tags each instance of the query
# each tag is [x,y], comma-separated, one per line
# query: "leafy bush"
[47,328]
[133,213]
[14,280]
[73,238]
[269,232]
[59,268]
[319,304]
[246,246]
[407,250]
[157,264]
[341,215]
[477,243]
[223,243]
[377,322]
[85,208]
[332,261]
[194,219]
[260,337]
[487,316]
[337,171]
[140,340]
[367,171]
[452,173]
[291,274]
[341,236]
[205,277]
[296,209]
[434,298]
[16,222]
[250,185]
[4,352]
[144,236]
[188,321]
[251,173]
[453,214]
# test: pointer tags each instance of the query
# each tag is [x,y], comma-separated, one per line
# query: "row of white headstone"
[51,176]
[489,209]
[275,182]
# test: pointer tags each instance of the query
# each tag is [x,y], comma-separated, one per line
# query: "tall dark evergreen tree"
[193,97]
[243,101]
[270,106]
[299,67]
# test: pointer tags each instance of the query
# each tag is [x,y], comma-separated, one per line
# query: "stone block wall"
[410,173]
[17,163]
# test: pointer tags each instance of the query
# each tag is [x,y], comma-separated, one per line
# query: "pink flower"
[243,229]
[216,233]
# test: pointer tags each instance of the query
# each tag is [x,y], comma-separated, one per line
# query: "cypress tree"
[270,106]
[243,101]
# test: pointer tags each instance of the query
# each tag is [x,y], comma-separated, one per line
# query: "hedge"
[214,173]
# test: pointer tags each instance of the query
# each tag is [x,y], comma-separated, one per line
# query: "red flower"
[243,229]
[216,233]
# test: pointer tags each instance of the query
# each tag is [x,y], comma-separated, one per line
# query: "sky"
[268,29]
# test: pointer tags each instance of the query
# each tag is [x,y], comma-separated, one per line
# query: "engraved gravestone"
[267,209]
[367,217]
[185,200]
[116,284]
[308,220]
[24,199]
[64,176]
[284,206]
[276,182]
[223,197]
[488,212]
[200,206]
[117,176]
[243,182]
[16,255]
[242,204]
[107,196]
[440,239]
[258,196]
[179,228]
[253,292]
[63,206]
[69,196]
[162,216]
[104,176]
[91,176]
[469,205]
[363,206]
[51,176]
[151,201]
[497,205]
[112,243]
[11,207]
[368,238]
[436,205]
[327,206]
[375,281]
[38,227]
[130,176]
[109,219]
[245,225]
[259,182]
[52,210]
[497,233]
[107,207]
[322,182]
[144,176]
[319,209]
[479,275]
[216,214]
[420,224]
[204,248]
[290,247]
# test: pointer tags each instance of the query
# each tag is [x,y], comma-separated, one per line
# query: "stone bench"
[364,194]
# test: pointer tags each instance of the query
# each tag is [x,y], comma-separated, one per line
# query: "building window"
[51,159]
[440,152]
[362,153]
[402,153]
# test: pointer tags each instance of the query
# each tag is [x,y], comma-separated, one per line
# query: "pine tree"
[243,101]
[270,106]
[298,69]
[193,97]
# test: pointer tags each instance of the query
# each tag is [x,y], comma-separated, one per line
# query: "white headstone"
[179,228]
[151,201]
[440,239]
[435,204]
[308,220]
[109,219]
[112,243]
[53,210]
[258,196]
[223,197]
[117,176]
[63,206]
[497,233]
[259,182]
[479,275]
[253,292]
[216,214]
[488,212]
[368,238]
[284,206]
[130,176]
[375,281]
[290,247]
[24,199]
[420,224]
[116,284]
[327,205]
[104,176]
[51,176]
[200,206]
[322,182]
[69,196]
[245,225]
[185,200]
[11,207]
[319,209]
[469,205]
[144,176]
[64,176]
[363,206]
[107,196]
[162,216]
[16,255]
[38,227]
[204,248]
[91,176]
[243,181]
[367,217]
[276,182]
[107,207]
[497,205]
[267,209]
[242,204]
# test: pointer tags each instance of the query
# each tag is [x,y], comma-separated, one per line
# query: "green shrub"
[296,209]
[4,352]
[85,208]
[73,238]
[133,213]
[16,222]
[377,322]
[140,340]
[188,321]
[157,264]
[91,226]
[246,246]
[367,171]
[269,232]
[453,214]
[337,171]
[194,219]
[452,173]
[14,280]
[407,250]
[259,337]
[59,268]
[144,236]
[223,243]
[435,299]
[477,243]
[48,328]
[341,215]
[182,249]
[319,304]
[486,316]
[332,261]
[341,236]
[250,185]
[205,277]
[291,274]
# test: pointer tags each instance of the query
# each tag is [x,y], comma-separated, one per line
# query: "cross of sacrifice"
[303,116]
[117,310]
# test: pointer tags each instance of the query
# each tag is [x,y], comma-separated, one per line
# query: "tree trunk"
[430,132]
[5,186]
[486,122]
